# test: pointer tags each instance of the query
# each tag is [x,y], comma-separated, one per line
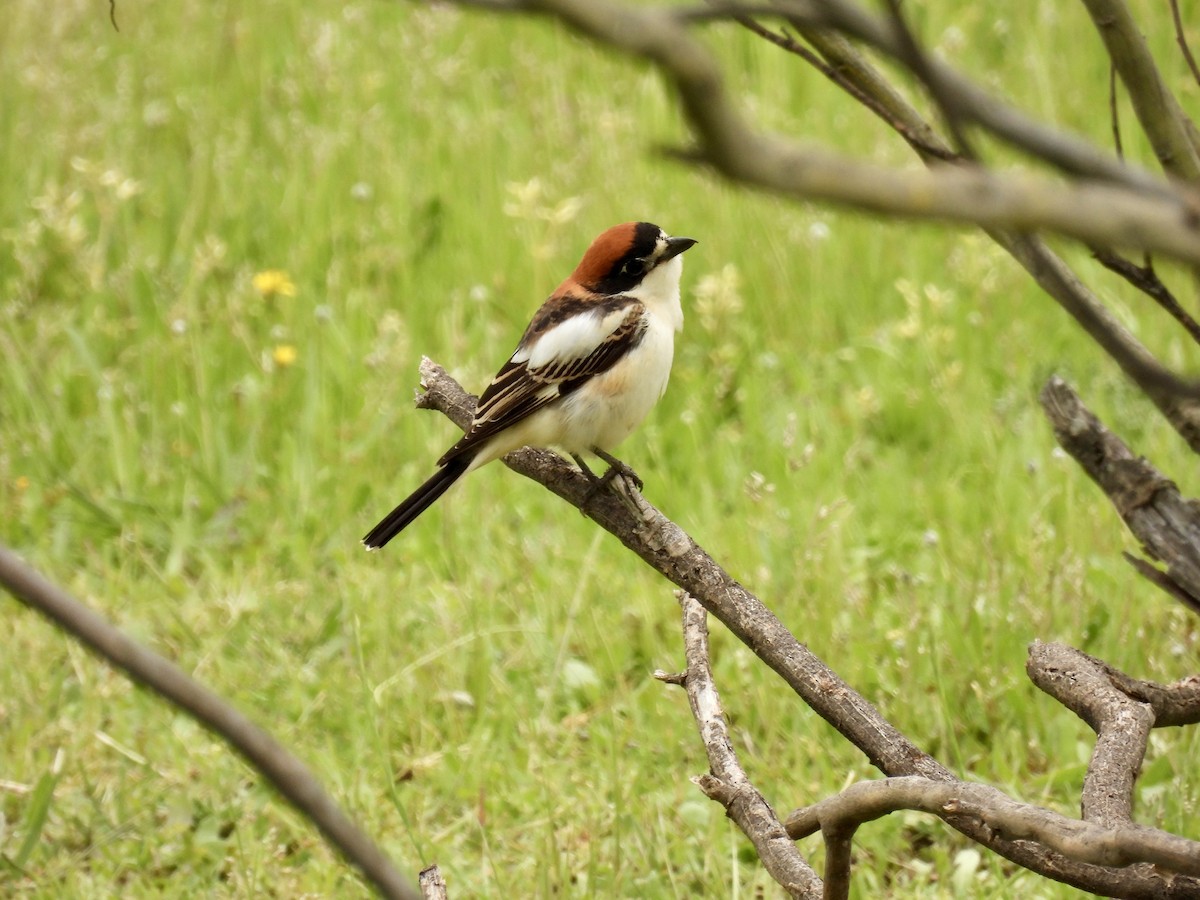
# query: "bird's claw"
[616,469]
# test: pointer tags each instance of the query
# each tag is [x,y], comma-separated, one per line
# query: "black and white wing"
[568,342]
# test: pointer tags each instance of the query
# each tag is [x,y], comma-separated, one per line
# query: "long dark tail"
[419,501]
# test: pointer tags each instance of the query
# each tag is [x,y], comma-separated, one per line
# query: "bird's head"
[637,259]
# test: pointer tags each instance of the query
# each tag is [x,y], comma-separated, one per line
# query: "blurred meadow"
[229,232]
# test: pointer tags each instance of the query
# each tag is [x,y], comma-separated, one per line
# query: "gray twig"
[726,781]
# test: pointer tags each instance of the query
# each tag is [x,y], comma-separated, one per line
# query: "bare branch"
[1052,274]
[1066,152]
[1162,580]
[670,551]
[1155,217]
[289,776]
[839,846]
[1084,842]
[1172,394]
[914,57]
[727,782]
[1172,704]
[1122,727]
[1167,525]
[1159,112]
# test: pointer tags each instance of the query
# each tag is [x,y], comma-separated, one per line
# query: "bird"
[593,361]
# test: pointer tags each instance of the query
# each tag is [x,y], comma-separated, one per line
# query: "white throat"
[660,292]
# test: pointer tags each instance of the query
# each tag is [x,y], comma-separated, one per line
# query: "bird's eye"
[633,268]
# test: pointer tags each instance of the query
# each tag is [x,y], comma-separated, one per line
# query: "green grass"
[851,428]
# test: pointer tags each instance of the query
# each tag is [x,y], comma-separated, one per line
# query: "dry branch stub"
[1166,523]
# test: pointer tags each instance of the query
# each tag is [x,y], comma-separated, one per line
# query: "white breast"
[660,292]
[609,407]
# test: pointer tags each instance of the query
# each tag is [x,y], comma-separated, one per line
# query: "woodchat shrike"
[593,361]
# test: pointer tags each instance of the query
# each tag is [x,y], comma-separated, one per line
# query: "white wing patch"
[572,340]
[556,361]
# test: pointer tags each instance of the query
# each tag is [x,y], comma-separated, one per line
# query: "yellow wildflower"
[21,484]
[284,355]
[274,281]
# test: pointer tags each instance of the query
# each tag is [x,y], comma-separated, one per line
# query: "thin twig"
[916,59]
[1167,391]
[727,782]
[1113,112]
[1146,280]
[289,776]
[842,64]
[1157,109]
[923,147]
[1143,277]
[1163,580]
[1181,39]
[679,679]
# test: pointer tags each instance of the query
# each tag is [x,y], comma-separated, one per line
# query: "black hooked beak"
[675,246]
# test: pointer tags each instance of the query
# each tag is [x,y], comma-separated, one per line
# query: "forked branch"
[726,781]
[1082,841]
[1106,837]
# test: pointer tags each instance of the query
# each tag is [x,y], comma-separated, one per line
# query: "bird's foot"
[616,469]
